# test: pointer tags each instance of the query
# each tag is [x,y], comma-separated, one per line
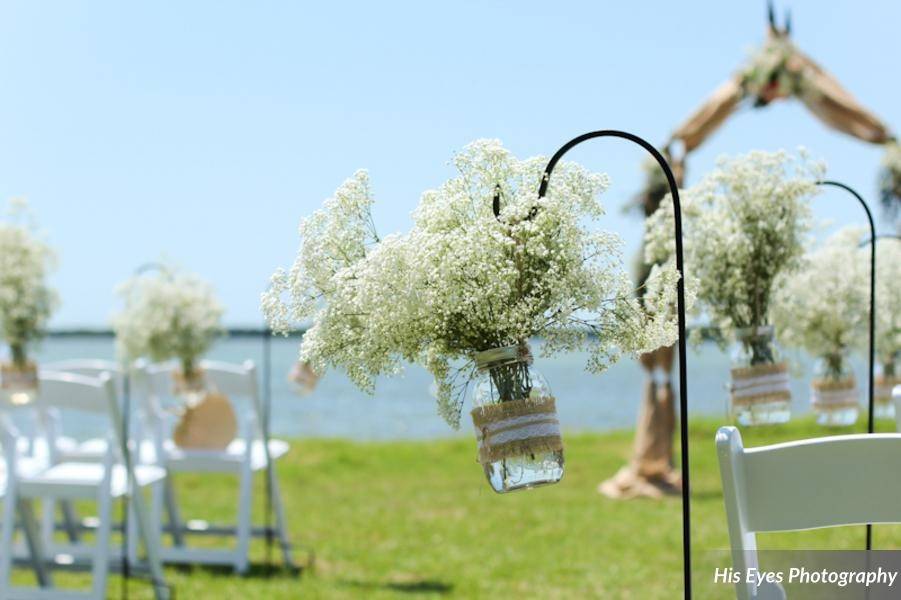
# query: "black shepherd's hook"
[680,308]
[872,325]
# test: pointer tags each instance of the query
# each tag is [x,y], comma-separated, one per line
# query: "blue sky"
[204,131]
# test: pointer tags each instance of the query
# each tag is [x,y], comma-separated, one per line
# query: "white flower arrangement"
[745,225]
[169,314]
[823,308]
[888,302]
[462,281]
[26,301]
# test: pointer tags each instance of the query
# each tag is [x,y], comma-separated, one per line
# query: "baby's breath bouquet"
[168,314]
[823,310]
[26,301]
[745,226]
[464,291]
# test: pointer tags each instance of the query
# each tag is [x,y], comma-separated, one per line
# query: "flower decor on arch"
[462,281]
[746,225]
[823,310]
[26,300]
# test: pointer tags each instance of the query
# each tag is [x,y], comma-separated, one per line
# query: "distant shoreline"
[238,332]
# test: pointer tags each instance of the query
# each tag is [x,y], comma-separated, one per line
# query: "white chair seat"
[74,479]
[26,466]
[176,456]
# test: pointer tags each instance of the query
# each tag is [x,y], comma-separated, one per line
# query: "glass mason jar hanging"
[19,382]
[888,375]
[759,386]
[833,393]
[515,418]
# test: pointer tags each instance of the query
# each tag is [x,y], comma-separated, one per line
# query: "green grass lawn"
[417,520]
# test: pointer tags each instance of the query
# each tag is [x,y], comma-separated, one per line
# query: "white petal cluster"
[462,280]
[744,224]
[26,301]
[823,308]
[170,314]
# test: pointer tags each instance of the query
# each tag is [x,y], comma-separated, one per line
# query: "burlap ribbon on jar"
[883,386]
[828,394]
[517,428]
[207,421]
[760,384]
[15,377]
[19,382]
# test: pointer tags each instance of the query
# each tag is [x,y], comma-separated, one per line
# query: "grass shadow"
[421,586]
[259,571]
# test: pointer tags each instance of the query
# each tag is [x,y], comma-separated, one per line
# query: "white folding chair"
[101,482]
[782,488]
[243,457]
[57,446]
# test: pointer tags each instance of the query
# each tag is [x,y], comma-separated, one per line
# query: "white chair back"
[92,367]
[781,488]
[79,393]
[237,381]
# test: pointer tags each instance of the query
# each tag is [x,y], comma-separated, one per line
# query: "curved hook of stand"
[872,324]
[680,308]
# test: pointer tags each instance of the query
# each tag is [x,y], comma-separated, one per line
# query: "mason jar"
[19,382]
[759,383]
[834,395]
[515,419]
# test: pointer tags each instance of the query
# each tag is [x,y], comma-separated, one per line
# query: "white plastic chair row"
[102,482]
[151,390]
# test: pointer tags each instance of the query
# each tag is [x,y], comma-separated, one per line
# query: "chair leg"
[176,525]
[71,521]
[280,522]
[48,521]
[101,560]
[244,531]
[150,535]
[157,491]
[132,533]
[33,541]
[7,528]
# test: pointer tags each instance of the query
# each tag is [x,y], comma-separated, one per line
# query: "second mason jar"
[759,386]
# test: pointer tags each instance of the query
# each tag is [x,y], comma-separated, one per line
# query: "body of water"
[403,407]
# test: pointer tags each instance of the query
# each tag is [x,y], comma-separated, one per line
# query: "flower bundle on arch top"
[462,280]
